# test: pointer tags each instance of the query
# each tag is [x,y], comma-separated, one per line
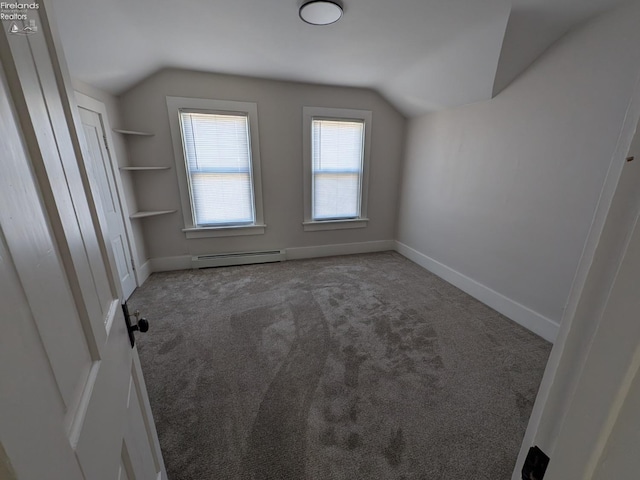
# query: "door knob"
[141,325]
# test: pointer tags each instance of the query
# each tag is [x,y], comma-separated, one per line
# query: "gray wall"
[505,191]
[280,128]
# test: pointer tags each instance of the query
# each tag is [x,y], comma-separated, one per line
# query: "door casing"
[92,105]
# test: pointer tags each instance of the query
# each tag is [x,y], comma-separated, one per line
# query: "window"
[335,167]
[217,159]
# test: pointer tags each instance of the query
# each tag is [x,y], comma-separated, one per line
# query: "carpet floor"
[352,367]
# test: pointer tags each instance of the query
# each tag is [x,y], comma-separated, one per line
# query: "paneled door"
[100,163]
[73,403]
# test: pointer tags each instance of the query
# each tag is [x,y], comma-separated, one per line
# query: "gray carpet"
[354,367]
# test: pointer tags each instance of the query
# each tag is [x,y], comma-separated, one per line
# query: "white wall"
[115,120]
[504,192]
[280,129]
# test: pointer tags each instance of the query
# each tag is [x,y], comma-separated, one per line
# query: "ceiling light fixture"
[320,12]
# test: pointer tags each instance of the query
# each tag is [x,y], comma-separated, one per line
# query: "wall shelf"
[143,213]
[152,213]
[133,132]
[143,169]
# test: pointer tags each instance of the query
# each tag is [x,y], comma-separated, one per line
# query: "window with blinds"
[337,148]
[217,150]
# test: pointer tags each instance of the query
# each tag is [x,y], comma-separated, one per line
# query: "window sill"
[312,226]
[231,231]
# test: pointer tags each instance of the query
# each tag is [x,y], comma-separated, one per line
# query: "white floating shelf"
[144,168]
[133,132]
[151,213]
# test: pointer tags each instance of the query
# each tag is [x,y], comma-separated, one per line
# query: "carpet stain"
[352,363]
[381,327]
[353,441]
[404,364]
[277,442]
[393,451]
[353,412]
[169,345]
[328,415]
[328,436]
[436,362]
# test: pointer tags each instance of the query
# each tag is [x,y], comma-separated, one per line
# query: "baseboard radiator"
[243,258]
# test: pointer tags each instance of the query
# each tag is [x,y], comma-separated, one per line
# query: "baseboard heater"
[242,258]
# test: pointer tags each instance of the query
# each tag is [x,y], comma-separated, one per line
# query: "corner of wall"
[528,318]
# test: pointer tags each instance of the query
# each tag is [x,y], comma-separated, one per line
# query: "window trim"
[308,114]
[208,105]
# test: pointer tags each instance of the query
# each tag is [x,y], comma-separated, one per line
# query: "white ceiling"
[422,55]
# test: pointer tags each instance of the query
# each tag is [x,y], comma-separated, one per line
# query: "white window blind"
[336,157]
[218,159]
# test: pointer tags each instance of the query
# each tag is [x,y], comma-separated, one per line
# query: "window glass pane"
[337,151]
[222,198]
[336,195]
[219,163]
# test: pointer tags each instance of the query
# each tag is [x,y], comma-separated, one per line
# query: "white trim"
[144,271]
[233,231]
[174,104]
[531,320]
[133,132]
[183,262]
[90,103]
[308,113]
[147,415]
[335,224]
[296,253]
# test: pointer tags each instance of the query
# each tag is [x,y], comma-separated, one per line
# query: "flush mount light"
[320,12]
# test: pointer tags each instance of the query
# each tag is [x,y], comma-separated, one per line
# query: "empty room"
[319,240]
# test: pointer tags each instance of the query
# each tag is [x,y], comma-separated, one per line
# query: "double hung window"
[218,164]
[336,167]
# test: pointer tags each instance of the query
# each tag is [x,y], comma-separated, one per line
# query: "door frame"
[572,349]
[65,224]
[90,103]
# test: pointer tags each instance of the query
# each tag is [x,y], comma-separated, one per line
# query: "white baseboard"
[531,320]
[539,324]
[166,264]
[183,262]
[297,253]
[143,273]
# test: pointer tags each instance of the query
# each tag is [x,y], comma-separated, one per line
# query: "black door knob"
[143,325]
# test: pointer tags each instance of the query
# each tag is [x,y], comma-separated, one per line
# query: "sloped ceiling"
[422,55]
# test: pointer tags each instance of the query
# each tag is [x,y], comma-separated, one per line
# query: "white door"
[73,403]
[99,162]
[607,379]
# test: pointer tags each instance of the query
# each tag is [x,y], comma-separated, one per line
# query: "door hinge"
[106,145]
[133,265]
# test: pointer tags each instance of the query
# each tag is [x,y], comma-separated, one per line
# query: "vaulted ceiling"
[422,55]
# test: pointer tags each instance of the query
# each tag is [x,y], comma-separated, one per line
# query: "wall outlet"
[535,465]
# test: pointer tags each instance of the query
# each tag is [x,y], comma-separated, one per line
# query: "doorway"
[104,169]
